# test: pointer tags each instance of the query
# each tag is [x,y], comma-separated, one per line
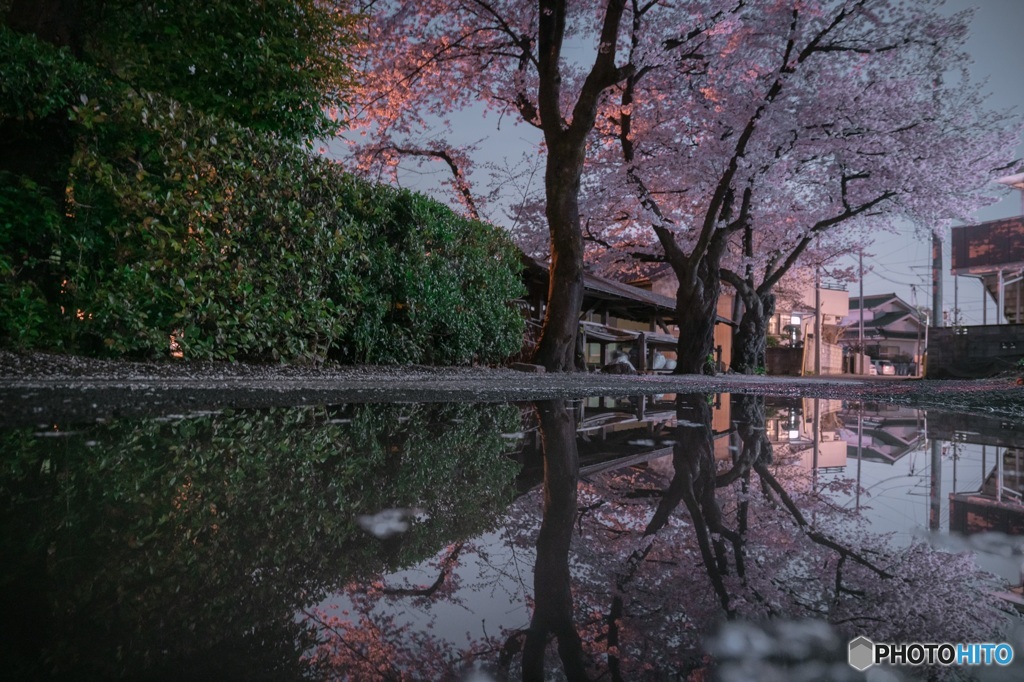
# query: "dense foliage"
[249,249]
[183,546]
[276,66]
[234,241]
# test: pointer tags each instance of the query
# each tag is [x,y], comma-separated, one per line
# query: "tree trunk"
[566,140]
[697,311]
[553,604]
[750,340]
[556,350]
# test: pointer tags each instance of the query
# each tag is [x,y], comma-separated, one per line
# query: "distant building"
[793,325]
[893,330]
[994,253]
[795,299]
[661,280]
[616,317]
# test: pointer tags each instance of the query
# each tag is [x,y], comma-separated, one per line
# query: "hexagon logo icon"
[862,653]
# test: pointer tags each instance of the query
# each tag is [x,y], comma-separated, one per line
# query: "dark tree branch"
[461,184]
[813,535]
[447,565]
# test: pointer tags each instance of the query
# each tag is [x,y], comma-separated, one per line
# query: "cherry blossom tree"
[708,136]
[760,283]
[801,118]
[927,154]
[550,64]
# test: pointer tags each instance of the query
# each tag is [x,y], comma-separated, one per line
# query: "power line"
[921,279]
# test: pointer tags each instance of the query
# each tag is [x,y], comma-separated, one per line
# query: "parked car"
[883,367]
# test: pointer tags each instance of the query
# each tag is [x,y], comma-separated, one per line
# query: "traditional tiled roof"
[886,319]
[621,299]
[871,302]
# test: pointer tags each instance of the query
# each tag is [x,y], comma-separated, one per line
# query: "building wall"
[784,361]
[723,332]
[982,350]
[835,303]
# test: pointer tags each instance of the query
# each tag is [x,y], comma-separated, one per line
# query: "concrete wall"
[860,364]
[788,361]
[784,361]
[831,357]
[982,350]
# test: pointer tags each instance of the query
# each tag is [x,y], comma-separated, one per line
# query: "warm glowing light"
[175,347]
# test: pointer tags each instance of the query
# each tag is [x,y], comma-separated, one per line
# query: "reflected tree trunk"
[748,417]
[694,484]
[553,608]
[756,454]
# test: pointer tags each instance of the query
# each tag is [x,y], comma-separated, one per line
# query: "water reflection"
[553,611]
[730,510]
[915,471]
[664,537]
[182,546]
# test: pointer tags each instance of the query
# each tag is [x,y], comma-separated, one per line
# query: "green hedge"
[242,246]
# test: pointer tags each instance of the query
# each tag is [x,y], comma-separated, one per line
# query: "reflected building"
[996,504]
[974,464]
[887,433]
[811,430]
[826,435]
[617,432]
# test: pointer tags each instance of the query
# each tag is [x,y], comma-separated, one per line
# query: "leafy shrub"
[228,240]
[437,287]
[40,83]
[240,245]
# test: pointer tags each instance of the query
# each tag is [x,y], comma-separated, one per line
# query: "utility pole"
[956,301]
[860,447]
[924,355]
[935,489]
[860,333]
[984,301]
[936,280]
[817,321]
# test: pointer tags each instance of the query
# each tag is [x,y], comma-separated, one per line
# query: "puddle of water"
[632,538]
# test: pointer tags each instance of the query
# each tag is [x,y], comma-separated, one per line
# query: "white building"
[893,330]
